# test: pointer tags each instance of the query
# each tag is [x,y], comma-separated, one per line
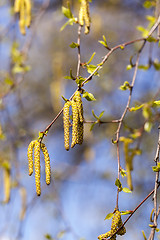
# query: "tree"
[101,59]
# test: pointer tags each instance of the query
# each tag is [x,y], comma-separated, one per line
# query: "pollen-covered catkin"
[17,4]
[84,15]
[80,133]
[28,12]
[75,123]
[115,221]
[30,157]
[66,124]
[78,99]
[37,167]
[122,231]
[22,18]
[47,163]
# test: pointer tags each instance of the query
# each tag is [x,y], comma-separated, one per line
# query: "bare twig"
[79,53]
[156,159]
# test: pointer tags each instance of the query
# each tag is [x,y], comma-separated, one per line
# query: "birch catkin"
[30,157]
[66,124]
[23,7]
[47,163]
[37,167]
[84,15]
[78,99]
[75,123]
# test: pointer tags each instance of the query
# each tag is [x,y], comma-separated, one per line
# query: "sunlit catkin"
[30,157]
[7,183]
[17,4]
[22,18]
[66,124]
[115,221]
[84,15]
[75,123]
[37,167]
[78,99]
[47,163]
[27,12]
[122,231]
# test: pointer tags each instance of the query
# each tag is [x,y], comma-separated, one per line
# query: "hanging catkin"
[84,15]
[30,157]
[75,123]
[37,167]
[23,7]
[78,99]
[47,163]
[66,124]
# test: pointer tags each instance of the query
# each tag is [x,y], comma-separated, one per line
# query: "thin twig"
[156,159]
[79,53]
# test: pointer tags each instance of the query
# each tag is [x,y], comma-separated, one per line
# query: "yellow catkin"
[37,167]
[7,184]
[30,157]
[84,15]
[80,133]
[122,231]
[75,123]
[47,163]
[17,4]
[66,124]
[115,221]
[78,99]
[27,12]
[22,18]
[81,15]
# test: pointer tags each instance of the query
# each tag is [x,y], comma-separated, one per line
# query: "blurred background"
[82,191]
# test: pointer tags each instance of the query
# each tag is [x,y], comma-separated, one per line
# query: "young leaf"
[91,69]
[89,96]
[129,67]
[126,190]
[126,212]
[125,86]
[67,12]
[80,80]
[104,43]
[95,115]
[109,216]
[144,235]
[118,184]
[156,103]
[69,22]
[133,109]
[101,114]
[123,172]
[90,60]
[74,45]
[92,126]
[144,31]
[148,126]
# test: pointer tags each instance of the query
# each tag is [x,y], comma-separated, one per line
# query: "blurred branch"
[156,159]
[27,44]
[79,53]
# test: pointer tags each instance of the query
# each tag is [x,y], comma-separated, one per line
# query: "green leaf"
[129,67]
[90,60]
[144,67]
[91,69]
[147,113]
[148,126]
[144,31]
[151,39]
[74,45]
[144,235]
[114,141]
[125,86]
[92,126]
[67,12]
[95,115]
[69,22]
[104,43]
[126,212]
[80,80]
[156,168]
[123,172]
[133,109]
[118,184]
[156,103]
[101,114]
[156,65]
[109,216]
[122,47]
[126,190]
[89,96]
[147,4]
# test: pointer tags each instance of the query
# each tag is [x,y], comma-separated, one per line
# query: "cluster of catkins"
[36,146]
[116,224]
[84,15]
[23,7]
[77,121]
